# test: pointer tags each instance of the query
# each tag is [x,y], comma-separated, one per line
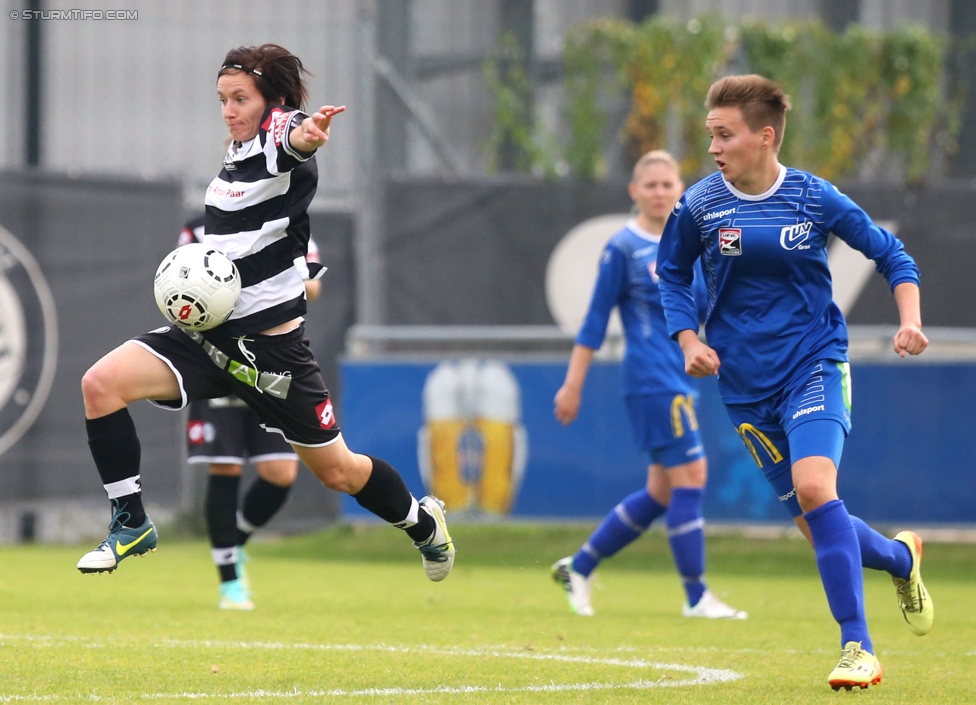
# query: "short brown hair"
[761,101]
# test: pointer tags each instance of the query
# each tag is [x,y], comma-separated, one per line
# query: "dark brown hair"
[761,101]
[277,73]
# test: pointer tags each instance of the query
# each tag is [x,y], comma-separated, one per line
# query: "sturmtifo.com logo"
[28,340]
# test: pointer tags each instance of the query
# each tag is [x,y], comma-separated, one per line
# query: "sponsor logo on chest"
[794,237]
[718,214]
[217,189]
[730,241]
[791,237]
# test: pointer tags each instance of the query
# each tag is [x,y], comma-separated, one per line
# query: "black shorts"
[226,430]
[276,375]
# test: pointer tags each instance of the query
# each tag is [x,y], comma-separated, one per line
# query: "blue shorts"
[666,426]
[813,417]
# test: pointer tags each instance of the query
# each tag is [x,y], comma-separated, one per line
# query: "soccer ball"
[197,287]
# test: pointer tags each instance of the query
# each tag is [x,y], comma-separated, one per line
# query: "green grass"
[346,615]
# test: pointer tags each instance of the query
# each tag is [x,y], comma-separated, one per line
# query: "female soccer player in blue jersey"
[660,400]
[778,343]
[256,213]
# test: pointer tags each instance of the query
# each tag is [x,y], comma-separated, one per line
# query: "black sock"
[386,496]
[221,511]
[116,451]
[129,510]
[262,501]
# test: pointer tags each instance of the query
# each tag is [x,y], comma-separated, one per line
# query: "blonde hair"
[655,156]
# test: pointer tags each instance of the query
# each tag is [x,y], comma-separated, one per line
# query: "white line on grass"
[698,675]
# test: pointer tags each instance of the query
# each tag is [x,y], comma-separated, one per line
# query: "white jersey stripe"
[239,195]
[278,289]
[242,244]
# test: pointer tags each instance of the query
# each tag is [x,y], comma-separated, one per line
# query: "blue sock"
[878,552]
[839,561]
[686,534]
[628,520]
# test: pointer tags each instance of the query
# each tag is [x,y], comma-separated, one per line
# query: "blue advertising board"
[906,460]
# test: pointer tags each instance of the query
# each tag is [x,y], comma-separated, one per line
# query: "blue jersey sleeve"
[700,293]
[679,250]
[611,283]
[850,223]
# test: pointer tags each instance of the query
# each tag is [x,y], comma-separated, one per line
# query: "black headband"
[240,68]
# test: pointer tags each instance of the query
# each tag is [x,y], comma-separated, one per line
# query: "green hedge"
[864,103]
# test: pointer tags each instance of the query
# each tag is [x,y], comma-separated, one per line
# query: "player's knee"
[811,493]
[691,474]
[337,467]
[287,477]
[281,473]
[95,385]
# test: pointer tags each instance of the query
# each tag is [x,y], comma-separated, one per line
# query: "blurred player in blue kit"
[660,400]
[224,433]
[778,343]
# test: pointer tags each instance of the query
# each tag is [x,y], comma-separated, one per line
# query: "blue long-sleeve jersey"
[653,363]
[764,259]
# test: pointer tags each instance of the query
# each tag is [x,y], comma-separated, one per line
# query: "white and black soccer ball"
[197,287]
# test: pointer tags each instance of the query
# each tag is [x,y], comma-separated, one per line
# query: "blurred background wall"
[436,231]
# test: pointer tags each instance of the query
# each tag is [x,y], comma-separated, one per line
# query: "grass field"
[346,615]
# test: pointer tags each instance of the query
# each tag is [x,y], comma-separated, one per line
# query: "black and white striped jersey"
[192,231]
[256,214]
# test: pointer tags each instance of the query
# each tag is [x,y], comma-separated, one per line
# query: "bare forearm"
[579,365]
[907,298]
[909,340]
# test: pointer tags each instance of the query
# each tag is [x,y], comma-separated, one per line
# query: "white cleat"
[710,607]
[576,585]
[437,552]
[121,542]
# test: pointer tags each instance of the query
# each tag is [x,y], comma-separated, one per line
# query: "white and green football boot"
[121,542]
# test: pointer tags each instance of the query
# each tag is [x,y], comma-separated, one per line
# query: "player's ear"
[768,136]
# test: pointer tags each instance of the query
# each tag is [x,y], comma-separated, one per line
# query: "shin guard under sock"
[386,496]
[117,453]
[262,501]
[878,552]
[625,522]
[686,536]
[220,508]
[839,561]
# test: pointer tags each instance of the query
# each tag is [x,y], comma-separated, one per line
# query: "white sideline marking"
[698,675]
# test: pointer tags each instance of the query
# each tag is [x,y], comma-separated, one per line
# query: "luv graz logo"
[28,340]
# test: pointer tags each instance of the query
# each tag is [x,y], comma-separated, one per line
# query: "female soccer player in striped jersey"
[660,402]
[778,343]
[256,213]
